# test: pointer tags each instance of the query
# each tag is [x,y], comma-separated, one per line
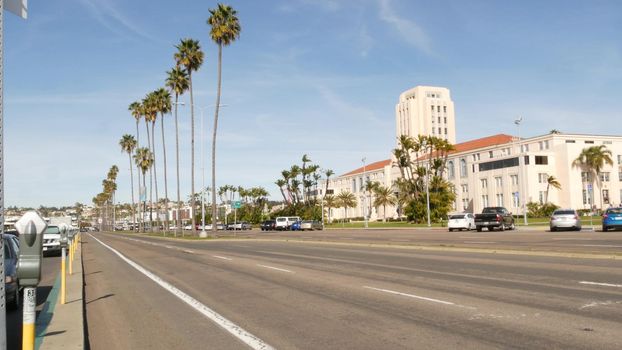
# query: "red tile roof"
[369,167]
[487,141]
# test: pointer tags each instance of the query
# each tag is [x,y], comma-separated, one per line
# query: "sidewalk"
[62,326]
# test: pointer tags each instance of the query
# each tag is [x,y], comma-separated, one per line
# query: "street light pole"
[365,192]
[521,162]
[427,193]
[203,234]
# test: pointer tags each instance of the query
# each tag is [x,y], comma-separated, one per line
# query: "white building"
[498,170]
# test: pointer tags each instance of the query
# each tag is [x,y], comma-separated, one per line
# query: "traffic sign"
[236,204]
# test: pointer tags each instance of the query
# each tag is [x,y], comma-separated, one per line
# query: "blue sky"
[306,77]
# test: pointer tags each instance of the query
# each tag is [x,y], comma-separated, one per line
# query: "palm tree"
[177,82]
[383,196]
[225,29]
[190,56]
[551,181]
[593,159]
[144,160]
[328,173]
[163,105]
[128,144]
[112,178]
[554,131]
[135,109]
[346,200]
[150,105]
[330,202]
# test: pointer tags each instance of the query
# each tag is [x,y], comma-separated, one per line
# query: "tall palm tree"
[112,178]
[177,82]
[593,159]
[330,202]
[383,196]
[135,109]
[190,56]
[551,181]
[346,200]
[128,144]
[144,160]
[150,106]
[225,29]
[163,105]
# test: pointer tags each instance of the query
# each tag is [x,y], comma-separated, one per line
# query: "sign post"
[30,228]
[236,205]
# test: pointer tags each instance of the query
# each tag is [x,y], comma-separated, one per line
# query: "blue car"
[296,226]
[612,218]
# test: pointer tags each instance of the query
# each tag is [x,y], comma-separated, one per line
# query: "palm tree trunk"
[178,224]
[132,188]
[155,173]
[384,213]
[145,203]
[165,178]
[217,107]
[547,193]
[150,179]
[194,227]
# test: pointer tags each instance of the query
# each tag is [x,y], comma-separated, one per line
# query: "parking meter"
[30,227]
[64,237]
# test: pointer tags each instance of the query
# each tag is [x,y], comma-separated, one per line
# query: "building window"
[541,145]
[514,179]
[354,185]
[499,199]
[463,167]
[445,131]
[439,131]
[620,196]
[619,158]
[432,109]
[586,198]
[445,110]
[438,109]
[586,176]
[542,160]
[484,183]
[620,178]
[543,178]
[445,120]
[439,120]
[465,188]
[498,181]
[485,200]
[607,142]
[474,158]
[490,154]
[515,199]
[524,148]
[526,160]
[541,196]
[465,203]
[570,141]
[451,172]
[589,141]
[606,196]
[604,177]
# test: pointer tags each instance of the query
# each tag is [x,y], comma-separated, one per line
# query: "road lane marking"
[221,257]
[411,296]
[600,245]
[470,242]
[188,251]
[571,239]
[235,330]
[601,284]
[274,268]
[399,240]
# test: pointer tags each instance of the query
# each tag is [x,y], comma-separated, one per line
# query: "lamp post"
[178,224]
[521,162]
[364,201]
[427,192]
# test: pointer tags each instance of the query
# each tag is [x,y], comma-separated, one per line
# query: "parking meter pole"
[28,328]
[235,220]
[70,259]
[63,293]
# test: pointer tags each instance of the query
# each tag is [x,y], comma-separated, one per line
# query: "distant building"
[426,110]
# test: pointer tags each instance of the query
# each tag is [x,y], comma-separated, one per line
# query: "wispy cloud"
[325,5]
[106,13]
[409,30]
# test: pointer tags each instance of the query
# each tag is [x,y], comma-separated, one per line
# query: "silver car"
[565,219]
[311,225]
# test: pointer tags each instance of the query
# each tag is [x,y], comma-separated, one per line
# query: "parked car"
[462,221]
[612,218]
[11,284]
[285,222]
[311,225]
[565,219]
[494,217]
[268,225]
[242,225]
[296,226]
[51,240]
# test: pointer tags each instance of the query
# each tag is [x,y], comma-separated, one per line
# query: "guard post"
[30,228]
[63,246]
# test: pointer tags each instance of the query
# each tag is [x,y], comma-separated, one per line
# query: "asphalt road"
[49,272]
[292,295]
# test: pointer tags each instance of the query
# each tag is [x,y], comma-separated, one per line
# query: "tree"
[128,144]
[190,56]
[554,132]
[346,200]
[551,181]
[225,29]
[330,202]
[136,109]
[383,197]
[144,160]
[593,159]
[163,105]
[177,82]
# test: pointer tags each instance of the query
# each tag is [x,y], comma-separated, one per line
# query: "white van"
[285,222]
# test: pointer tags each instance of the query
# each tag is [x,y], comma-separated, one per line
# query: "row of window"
[589,195]
[604,176]
[438,109]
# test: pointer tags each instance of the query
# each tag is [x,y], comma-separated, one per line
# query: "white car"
[461,221]
[51,240]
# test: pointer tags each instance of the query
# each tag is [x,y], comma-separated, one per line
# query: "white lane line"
[234,329]
[571,239]
[469,237]
[470,242]
[274,268]
[600,245]
[410,295]
[188,251]
[221,257]
[601,284]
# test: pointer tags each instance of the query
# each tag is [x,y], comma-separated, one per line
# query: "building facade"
[426,110]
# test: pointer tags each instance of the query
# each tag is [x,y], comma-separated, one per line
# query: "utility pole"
[522,178]
[364,192]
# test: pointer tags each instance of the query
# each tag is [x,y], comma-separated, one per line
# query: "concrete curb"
[65,330]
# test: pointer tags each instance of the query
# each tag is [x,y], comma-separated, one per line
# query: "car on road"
[51,240]
[311,225]
[565,219]
[268,225]
[461,221]
[296,226]
[11,283]
[242,225]
[612,218]
[286,222]
[494,217]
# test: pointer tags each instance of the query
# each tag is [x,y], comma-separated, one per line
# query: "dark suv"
[268,225]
